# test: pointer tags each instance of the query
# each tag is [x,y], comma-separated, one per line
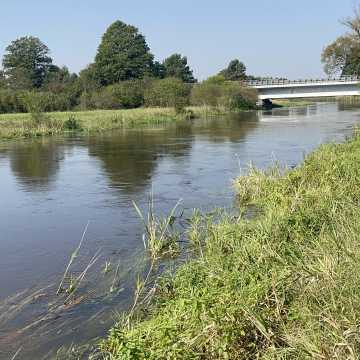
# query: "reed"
[159,238]
[73,257]
[16,354]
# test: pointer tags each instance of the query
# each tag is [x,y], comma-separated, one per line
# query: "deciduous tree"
[122,55]
[2,79]
[176,66]
[26,62]
[236,71]
[342,57]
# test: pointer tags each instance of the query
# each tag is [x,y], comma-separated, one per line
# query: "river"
[51,188]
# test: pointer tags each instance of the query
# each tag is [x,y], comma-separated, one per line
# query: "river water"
[52,188]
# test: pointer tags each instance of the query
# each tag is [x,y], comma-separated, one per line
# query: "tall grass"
[23,125]
[282,285]
[55,123]
[160,241]
[159,237]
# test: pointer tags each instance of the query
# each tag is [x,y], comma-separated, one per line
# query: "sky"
[282,38]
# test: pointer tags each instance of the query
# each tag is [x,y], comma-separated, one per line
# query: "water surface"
[52,187]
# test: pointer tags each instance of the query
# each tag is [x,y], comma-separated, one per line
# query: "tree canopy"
[236,71]
[57,79]
[342,57]
[177,66]
[27,62]
[2,79]
[122,55]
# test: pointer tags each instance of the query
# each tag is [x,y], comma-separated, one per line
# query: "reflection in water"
[233,128]
[36,163]
[130,158]
[289,113]
[348,103]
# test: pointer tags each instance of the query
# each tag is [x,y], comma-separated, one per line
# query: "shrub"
[35,104]
[216,92]
[130,94]
[206,94]
[72,123]
[124,95]
[11,102]
[169,92]
[238,97]
[99,99]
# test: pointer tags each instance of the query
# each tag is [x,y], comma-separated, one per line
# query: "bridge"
[270,89]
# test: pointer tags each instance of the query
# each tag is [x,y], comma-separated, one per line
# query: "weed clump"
[72,123]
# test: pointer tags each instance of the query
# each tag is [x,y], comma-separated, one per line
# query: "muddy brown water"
[52,187]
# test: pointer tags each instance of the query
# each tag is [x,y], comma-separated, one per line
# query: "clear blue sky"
[272,37]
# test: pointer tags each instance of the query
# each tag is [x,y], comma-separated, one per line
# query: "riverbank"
[55,123]
[282,285]
[287,103]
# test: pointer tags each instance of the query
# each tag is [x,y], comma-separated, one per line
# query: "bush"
[238,97]
[11,102]
[72,123]
[35,104]
[216,92]
[99,99]
[207,93]
[124,95]
[169,92]
[130,94]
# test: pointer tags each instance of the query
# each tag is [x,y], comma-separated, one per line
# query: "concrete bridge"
[290,89]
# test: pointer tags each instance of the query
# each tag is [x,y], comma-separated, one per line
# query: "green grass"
[293,102]
[22,125]
[283,285]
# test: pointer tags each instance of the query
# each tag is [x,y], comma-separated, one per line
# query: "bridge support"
[266,103]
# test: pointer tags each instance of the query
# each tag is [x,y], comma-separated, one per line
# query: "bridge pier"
[266,103]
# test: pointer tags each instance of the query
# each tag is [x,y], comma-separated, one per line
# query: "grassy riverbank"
[287,103]
[281,286]
[24,125]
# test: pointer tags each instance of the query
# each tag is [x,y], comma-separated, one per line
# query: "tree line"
[124,74]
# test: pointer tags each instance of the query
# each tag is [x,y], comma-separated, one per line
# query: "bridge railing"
[264,82]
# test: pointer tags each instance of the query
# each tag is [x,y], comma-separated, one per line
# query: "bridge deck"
[273,83]
[284,89]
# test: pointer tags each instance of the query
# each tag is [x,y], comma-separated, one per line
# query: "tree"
[3,82]
[177,66]
[236,71]
[342,57]
[26,62]
[122,55]
[218,92]
[87,79]
[168,92]
[158,70]
[57,79]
